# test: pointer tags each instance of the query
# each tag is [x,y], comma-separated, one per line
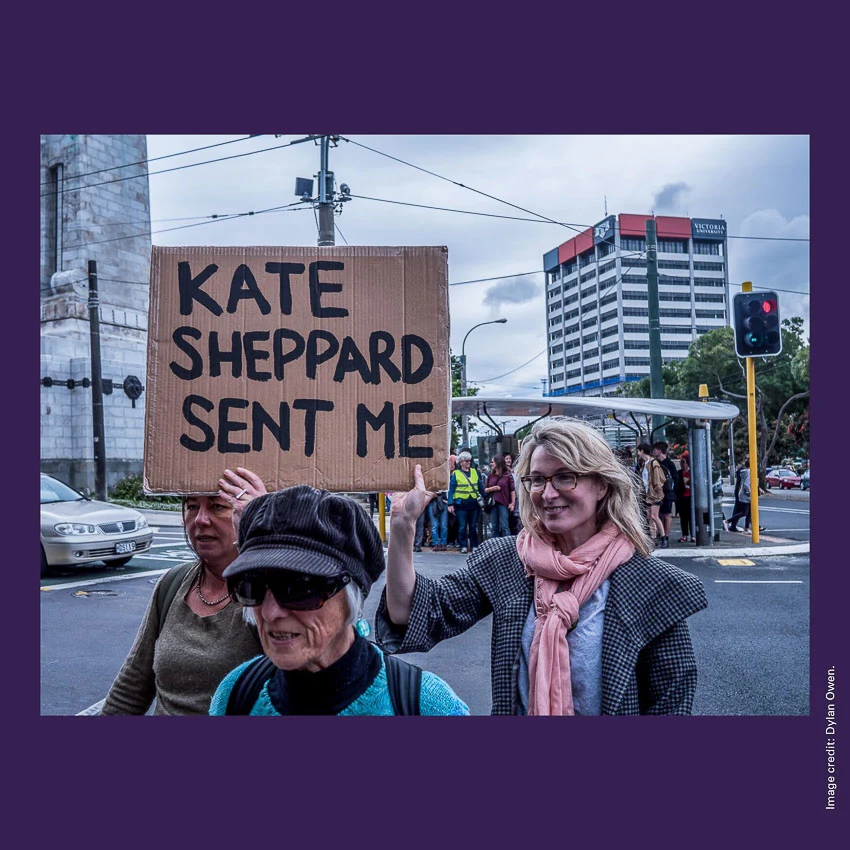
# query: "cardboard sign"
[321,366]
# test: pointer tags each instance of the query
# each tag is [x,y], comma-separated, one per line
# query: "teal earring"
[362,628]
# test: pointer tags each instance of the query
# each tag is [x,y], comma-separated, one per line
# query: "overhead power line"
[155,159]
[539,216]
[179,167]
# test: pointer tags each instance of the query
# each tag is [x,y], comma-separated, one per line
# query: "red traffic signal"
[757,325]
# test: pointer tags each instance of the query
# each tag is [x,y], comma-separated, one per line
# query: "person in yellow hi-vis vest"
[465,488]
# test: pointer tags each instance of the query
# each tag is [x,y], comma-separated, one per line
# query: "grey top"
[182,666]
[585,642]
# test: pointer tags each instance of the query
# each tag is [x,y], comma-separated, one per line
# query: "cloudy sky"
[759,184]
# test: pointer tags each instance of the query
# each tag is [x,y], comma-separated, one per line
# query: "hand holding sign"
[239,488]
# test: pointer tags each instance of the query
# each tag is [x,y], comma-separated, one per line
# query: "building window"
[709,281]
[712,299]
[53,229]
[673,264]
[672,246]
[708,267]
[674,314]
[632,243]
[614,363]
[707,248]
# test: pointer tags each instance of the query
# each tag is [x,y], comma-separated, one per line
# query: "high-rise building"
[95,205]
[597,314]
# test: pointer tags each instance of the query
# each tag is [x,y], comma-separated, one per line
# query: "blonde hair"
[582,449]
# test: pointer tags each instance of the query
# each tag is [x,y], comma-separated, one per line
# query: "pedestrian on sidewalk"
[465,490]
[743,499]
[668,502]
[683,498]
[653,477]
[500,485]
[439,515]
[585,619]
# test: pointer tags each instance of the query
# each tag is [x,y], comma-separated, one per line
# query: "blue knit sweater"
[436,697]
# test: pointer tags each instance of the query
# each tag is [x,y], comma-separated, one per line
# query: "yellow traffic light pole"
[747,286]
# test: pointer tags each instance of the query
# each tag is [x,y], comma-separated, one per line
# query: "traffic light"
[756,321]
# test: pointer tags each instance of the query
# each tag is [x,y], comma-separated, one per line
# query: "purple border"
[482,778]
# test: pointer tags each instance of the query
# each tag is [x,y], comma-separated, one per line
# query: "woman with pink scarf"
[585,619]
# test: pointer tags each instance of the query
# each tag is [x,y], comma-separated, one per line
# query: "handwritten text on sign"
[268,354]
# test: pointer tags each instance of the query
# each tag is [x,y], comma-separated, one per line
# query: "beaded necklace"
[201,595]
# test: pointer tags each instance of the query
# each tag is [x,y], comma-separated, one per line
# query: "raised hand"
[407,507]
[239,488]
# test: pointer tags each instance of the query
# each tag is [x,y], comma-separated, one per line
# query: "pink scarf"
[586,567]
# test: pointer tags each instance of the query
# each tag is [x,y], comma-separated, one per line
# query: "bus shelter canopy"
[591,406]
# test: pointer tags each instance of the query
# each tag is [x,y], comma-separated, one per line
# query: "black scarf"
[327,691]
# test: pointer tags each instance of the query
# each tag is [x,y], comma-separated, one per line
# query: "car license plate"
[123,548]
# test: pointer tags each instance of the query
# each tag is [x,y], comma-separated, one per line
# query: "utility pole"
[656,384]
[326,195]
[96,386]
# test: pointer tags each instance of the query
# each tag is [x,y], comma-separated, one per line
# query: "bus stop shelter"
[698,415]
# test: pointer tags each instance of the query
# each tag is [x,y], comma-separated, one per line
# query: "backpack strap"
[405,685]
[167,589]
[247,687]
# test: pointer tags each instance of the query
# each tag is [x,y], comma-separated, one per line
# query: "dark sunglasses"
[293,591]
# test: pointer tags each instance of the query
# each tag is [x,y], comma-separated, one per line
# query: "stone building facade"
[95,205]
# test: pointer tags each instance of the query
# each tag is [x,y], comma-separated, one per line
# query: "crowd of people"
[267,619]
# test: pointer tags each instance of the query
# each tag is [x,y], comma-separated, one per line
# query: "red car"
[785,479]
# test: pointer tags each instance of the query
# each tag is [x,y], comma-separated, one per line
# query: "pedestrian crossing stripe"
[735,562]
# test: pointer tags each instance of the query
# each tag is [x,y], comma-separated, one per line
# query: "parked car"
[785,479]
[78,530]
[804,480]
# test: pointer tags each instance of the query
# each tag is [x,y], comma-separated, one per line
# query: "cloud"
[669,197]
[513,290]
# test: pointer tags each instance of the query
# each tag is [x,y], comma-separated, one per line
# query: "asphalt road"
[751,643]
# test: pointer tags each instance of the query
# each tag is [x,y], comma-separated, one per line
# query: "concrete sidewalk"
[730,544]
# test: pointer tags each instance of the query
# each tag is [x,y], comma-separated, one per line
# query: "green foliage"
[129,491]
[457,425]
[712,360]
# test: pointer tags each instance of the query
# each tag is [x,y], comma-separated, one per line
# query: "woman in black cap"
[307,560]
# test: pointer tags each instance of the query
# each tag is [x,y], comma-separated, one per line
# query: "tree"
[782,389]
[457,425]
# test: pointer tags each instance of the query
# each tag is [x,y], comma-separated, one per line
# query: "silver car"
[79,530]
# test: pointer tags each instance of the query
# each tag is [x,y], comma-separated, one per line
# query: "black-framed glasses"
[293,591]
[561,481]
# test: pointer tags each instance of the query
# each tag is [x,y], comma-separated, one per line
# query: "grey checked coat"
[648,663]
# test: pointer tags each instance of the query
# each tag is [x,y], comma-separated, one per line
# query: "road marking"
[735,562]
[754,581]
[92,581]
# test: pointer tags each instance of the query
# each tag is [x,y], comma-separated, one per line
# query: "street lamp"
[463,417]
